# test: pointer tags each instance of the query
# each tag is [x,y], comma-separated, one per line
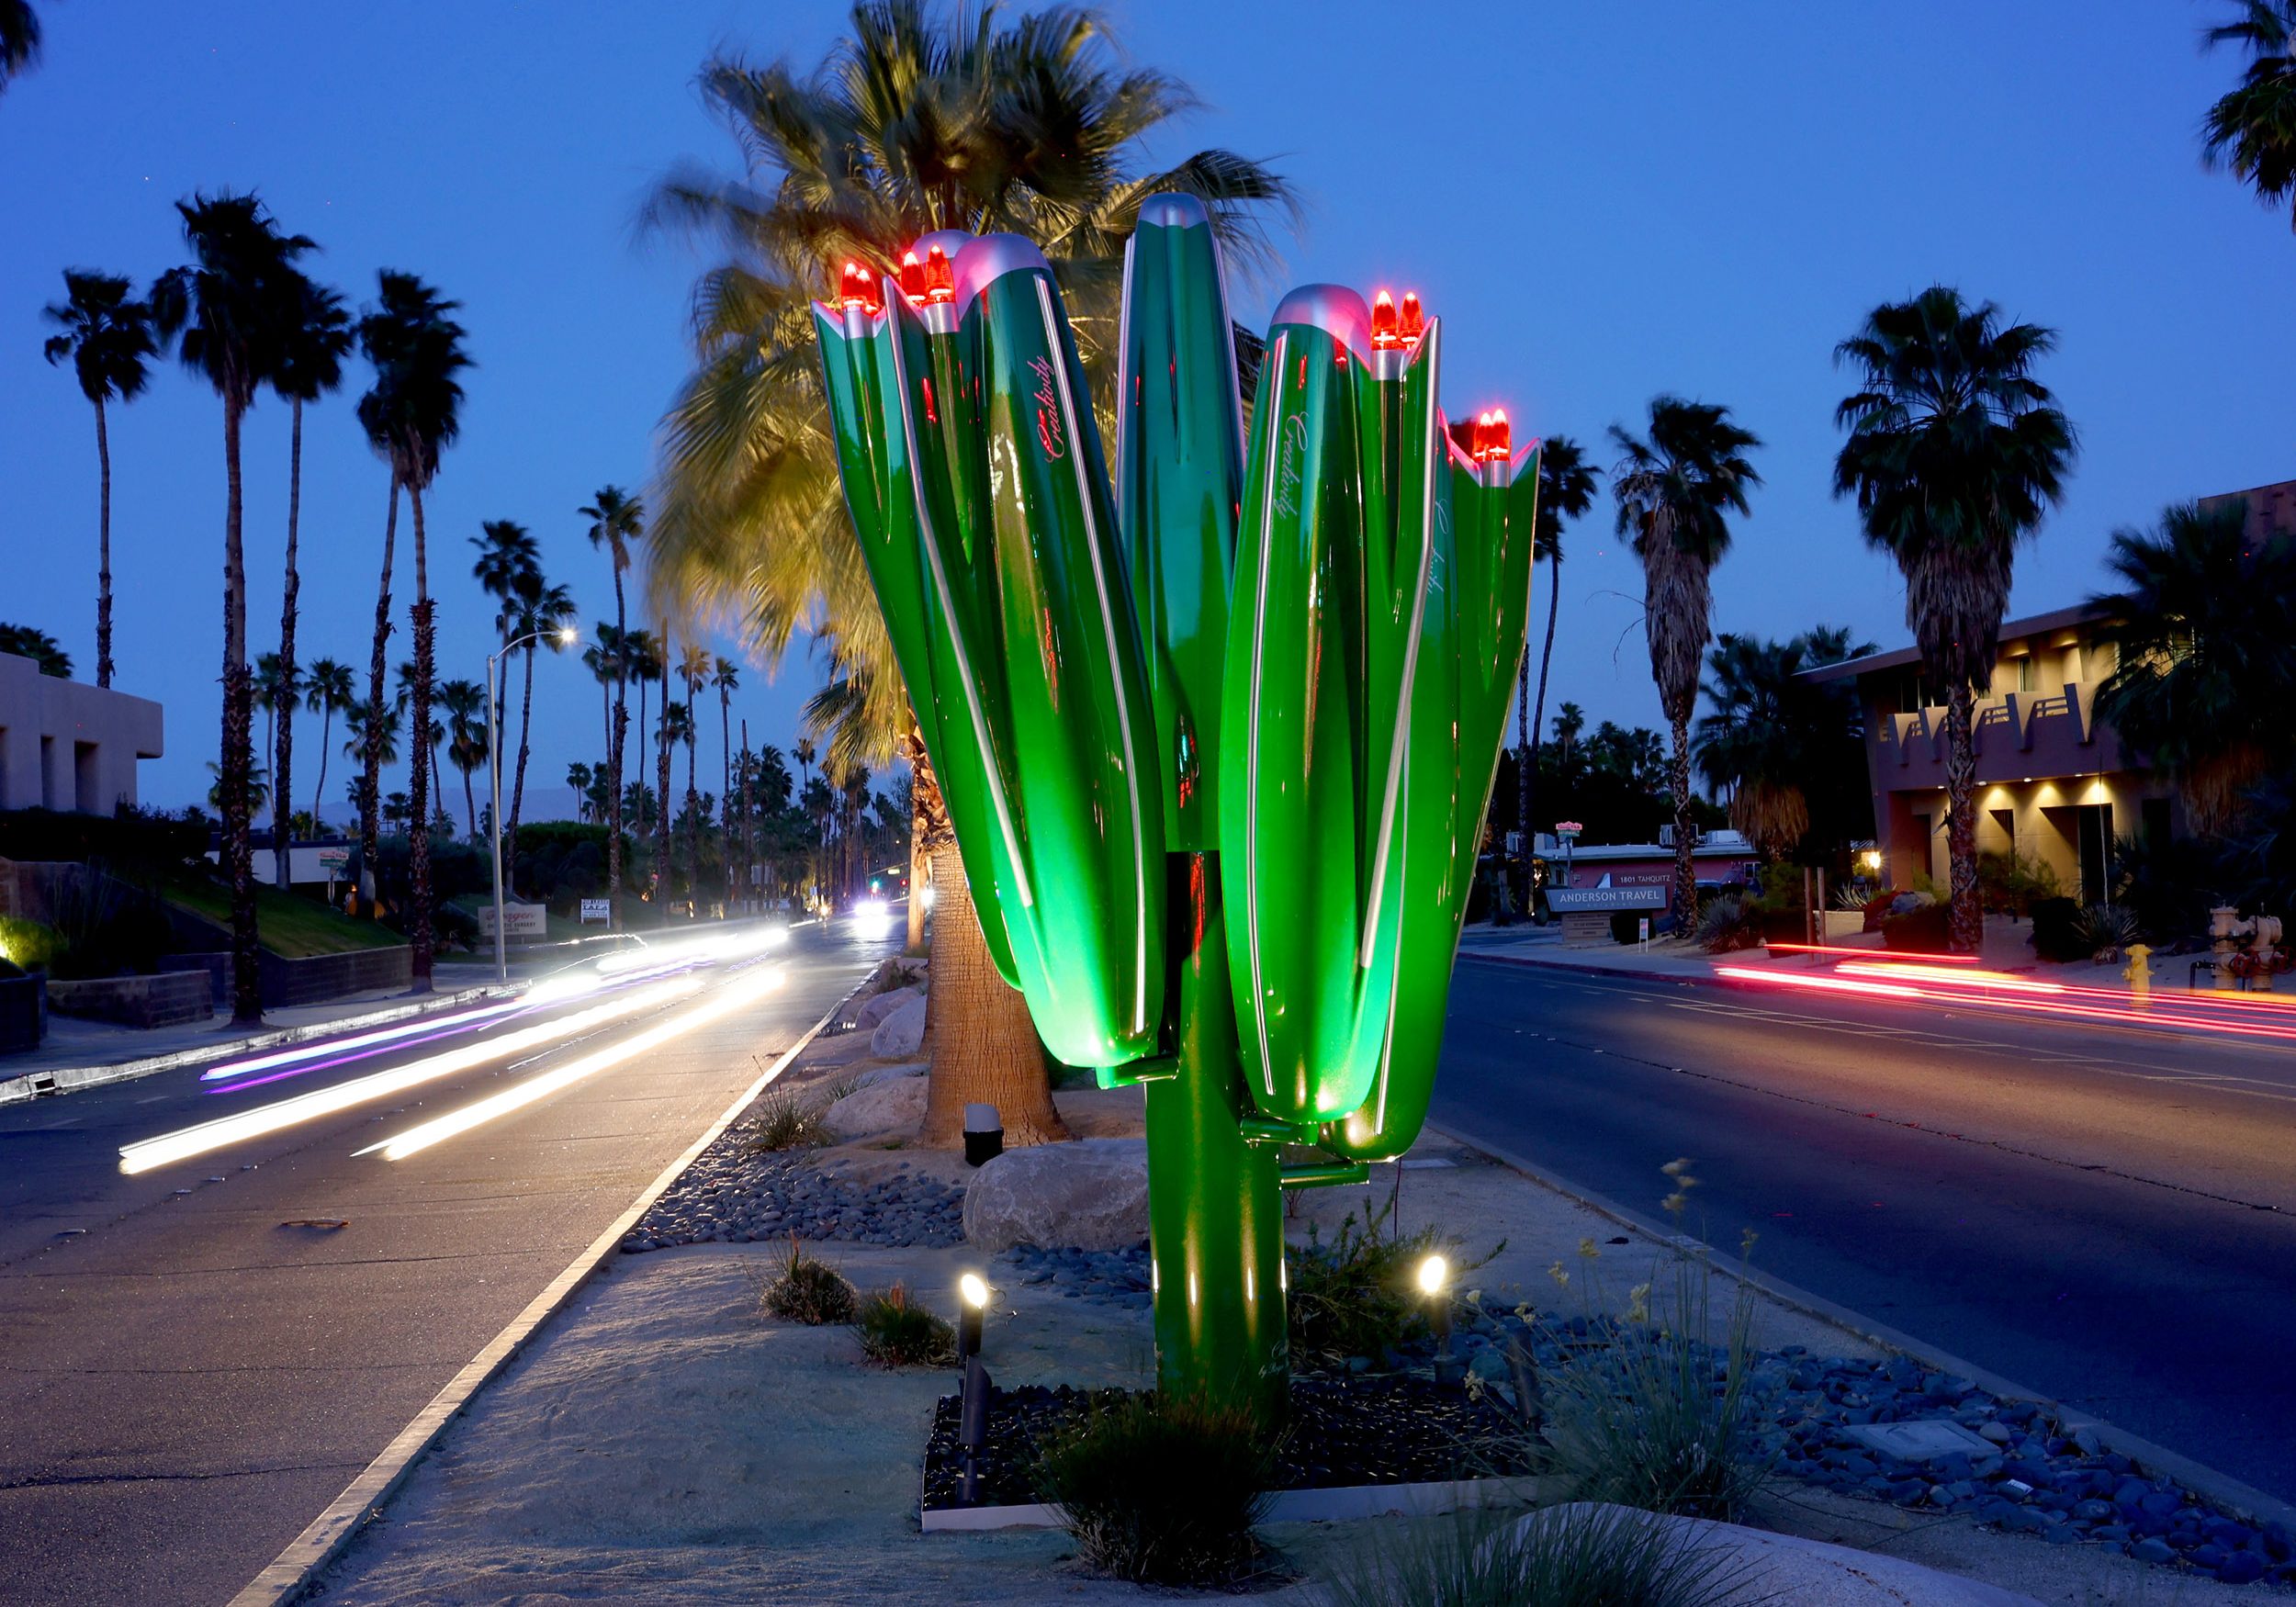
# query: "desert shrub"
[2172,885]
[2058,934]
[1728,923]
[1162,1489]
[32,945]
[1551,1559]
[2107,929]
[807,1289]
[895,1331]
[105,927]
[1925,928]
[1356,1297]
[786,1120]
[2011,882]
[1661,1417]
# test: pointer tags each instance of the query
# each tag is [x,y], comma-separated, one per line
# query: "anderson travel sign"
[1585,900]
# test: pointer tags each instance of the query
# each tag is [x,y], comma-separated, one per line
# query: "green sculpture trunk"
[1215,1203]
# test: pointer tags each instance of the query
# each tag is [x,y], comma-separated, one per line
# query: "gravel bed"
[1378,1429]
[731,1196]
[2068,1489]
[1111,1277]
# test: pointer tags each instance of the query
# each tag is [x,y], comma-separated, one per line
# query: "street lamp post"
[568,635]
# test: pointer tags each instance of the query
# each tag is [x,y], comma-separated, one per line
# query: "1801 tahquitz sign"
[1217,732]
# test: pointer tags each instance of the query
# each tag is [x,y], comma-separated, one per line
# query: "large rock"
[895,1104]
[902,1033]
[1091,1195]
[875,1074]
[1788,1571]
[875,1010]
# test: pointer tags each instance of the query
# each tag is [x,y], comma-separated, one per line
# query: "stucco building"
[2053,781]
[67,744]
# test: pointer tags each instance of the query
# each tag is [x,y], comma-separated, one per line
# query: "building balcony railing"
[2017,737]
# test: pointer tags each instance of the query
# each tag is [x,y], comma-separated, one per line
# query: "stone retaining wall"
[311,980]
[168,999]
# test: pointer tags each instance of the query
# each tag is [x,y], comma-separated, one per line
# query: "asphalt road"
[186,1380]
[2104,1213]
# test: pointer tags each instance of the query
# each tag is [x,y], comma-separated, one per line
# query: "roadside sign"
[519,920]
[333,860]
[597,912]
[1590,900]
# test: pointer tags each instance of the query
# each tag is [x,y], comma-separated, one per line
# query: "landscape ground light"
[1434,1282]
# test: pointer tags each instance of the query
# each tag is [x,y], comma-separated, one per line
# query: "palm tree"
[805,753]
[510,569]
[1771,736]
[416,350]
[603,659]
[275,688]
[918,121]
[2252,129]
[106,332]
[226,304]
[465,704]
[1675,492]
[662,666]
[1566,490]
[1955,451]
[2205,628]
[641,662]
[40,647]
[724,677]
[316,336]
[326,692]
[695,665]
[617,520]
[578,776]
[678,725]
[19,40]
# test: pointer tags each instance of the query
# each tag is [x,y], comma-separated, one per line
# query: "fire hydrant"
[2224,926]
[2139,974]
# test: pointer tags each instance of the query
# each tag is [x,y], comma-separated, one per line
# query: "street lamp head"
[570,635]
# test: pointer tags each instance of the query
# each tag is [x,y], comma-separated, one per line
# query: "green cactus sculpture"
[1217,734]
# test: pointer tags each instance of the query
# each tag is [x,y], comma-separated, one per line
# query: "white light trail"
[181,1145]
[336,1046]
[732,996]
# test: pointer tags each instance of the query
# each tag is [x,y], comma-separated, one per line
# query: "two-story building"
[2053,781]
[67,744]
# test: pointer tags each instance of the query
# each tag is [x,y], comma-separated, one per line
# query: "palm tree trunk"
[518,784]
[1538,710]
[282,762]
[1965,922]
[470,806]
[661,799]
[326,742]
[239,857]
[371,781]
[102,549]
[926,808]
[617,733]
[694,822]
[978,1036]
[748,835]
[1685,870]
[419,784]
[726,790]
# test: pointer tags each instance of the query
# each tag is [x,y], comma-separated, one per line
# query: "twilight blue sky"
[1603,206]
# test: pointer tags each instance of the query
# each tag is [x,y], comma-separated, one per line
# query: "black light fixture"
[1434,1281]
[973,1391]
[983,1134]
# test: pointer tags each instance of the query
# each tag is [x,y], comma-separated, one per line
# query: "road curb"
[296,1567]
[72,1079]
[2241,1499]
